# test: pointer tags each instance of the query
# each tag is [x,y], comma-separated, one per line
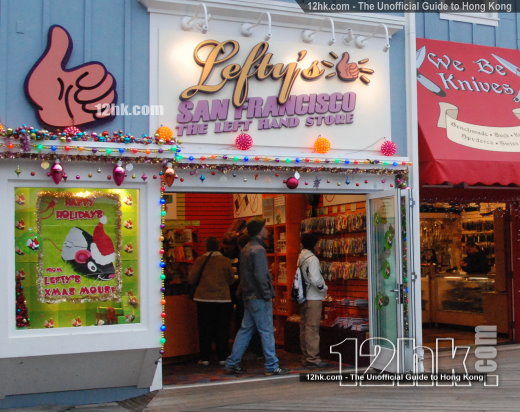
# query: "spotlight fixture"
[247,28]
[190,23]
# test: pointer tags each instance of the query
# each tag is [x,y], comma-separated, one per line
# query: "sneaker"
[221,362]
[318,365]
[203,362]
[235,370]
[277,371]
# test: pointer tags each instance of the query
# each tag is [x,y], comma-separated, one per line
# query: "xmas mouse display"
[92,256]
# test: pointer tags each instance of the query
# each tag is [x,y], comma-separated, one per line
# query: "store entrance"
[340,221]
[466,266]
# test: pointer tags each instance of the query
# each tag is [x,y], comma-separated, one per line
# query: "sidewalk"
[286,393]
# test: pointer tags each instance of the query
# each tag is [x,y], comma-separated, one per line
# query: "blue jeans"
[258,314]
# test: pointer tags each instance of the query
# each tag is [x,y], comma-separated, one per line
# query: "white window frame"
[487,19]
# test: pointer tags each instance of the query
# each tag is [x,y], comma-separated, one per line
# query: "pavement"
[288,394]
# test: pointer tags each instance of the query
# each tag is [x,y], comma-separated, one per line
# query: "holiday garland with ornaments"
[53,149]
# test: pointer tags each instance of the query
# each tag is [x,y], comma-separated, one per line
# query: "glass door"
[387,292]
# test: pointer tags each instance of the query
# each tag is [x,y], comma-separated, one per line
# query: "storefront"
[294,117]
[272,114]
[468,139]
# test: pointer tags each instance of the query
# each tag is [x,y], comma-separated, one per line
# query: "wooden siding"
[505,35]
[114,32]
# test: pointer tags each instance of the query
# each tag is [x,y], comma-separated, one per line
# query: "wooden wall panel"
[505,35]
[114,32]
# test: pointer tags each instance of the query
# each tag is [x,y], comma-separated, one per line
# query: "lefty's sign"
[212,88]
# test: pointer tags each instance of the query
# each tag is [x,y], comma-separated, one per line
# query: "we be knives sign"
[469,99]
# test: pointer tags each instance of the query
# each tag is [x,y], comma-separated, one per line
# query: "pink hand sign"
[68,97]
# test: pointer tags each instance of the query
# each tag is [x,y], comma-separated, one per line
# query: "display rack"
[284,248]
[342,250]
[450,295]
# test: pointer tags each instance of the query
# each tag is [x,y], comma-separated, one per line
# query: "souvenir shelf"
[342,254]
[284,248]
[450,295]
[342,250]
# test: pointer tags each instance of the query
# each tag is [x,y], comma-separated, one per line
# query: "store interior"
[455,298]
[342,250]
[465,262]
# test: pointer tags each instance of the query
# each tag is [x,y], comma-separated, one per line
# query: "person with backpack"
[315,290]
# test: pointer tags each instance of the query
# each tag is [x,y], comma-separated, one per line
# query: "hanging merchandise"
[331,225]
[344,270]
[119,173]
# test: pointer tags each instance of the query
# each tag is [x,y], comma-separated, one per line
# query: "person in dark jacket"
[475,261]
[213,301]
[257,293]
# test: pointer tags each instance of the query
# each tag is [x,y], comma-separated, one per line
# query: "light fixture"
[189,23]
[360,41]
[247,28]
[308,35]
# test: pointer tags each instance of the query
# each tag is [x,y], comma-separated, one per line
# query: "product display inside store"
[464,260]
[340,222]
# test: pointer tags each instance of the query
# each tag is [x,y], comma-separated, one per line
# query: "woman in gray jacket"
[310,310]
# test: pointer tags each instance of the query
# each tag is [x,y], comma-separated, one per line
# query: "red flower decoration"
[244,141]
[388,148]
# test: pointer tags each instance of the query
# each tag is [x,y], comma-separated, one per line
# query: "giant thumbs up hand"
[66,97]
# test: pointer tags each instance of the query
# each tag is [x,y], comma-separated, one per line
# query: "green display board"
[76,257]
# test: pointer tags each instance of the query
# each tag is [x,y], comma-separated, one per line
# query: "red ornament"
[57,172]
[119,174]
[292,183]
[244,141]
[71,131]
[169,175]
[388,148]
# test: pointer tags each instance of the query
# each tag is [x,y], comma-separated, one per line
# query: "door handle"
[399,291]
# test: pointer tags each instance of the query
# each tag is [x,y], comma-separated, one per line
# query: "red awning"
[469,114]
